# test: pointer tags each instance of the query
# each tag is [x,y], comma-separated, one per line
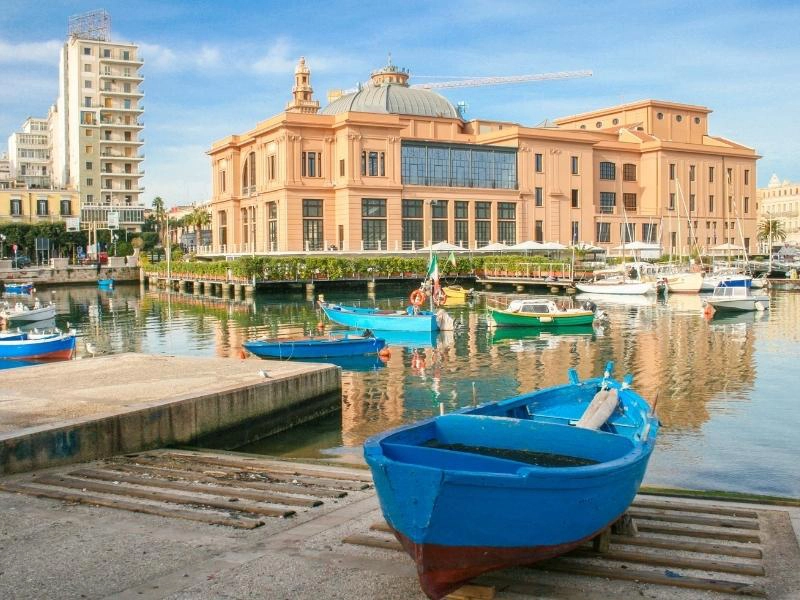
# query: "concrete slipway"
[182,524]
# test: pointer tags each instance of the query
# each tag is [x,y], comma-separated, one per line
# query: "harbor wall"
[69,275]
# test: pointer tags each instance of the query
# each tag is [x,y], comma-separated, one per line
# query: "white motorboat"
[618,287]
[737,298]
[687,282]
[22,312]
[729,279]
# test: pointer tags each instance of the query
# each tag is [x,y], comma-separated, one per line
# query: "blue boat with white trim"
[311,347]
[18,288]
[39,346]
[512,482]
[411,319]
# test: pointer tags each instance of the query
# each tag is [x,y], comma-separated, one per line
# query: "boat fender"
[417,298]
[599,410]
[708,311]
[242,353]
[385,353]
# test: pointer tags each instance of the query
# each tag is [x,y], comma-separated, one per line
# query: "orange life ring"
[417,298]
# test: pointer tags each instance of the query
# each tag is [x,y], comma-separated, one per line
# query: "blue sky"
[216,68]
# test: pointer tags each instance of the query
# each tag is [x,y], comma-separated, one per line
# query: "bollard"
[572,290]
[196,287]
[310,289]
[225,289]
[555,289]
[371,286]
[520,288]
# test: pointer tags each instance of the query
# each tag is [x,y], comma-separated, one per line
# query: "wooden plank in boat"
[105,488]
[137,507]
[472,592]
[224,491]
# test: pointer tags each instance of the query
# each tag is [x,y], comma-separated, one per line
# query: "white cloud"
[208,57]
[30,52]
[158,57]
[278,58]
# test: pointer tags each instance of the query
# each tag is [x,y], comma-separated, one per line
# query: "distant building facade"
[29,154]
[95,125]
[6,180]
[391,167]
[24,205]
[780,200]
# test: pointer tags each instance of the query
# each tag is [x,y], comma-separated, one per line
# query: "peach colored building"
[392,167]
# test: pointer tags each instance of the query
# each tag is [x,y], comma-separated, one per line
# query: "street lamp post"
[2,245]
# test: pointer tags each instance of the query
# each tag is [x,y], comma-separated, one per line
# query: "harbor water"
[724,386]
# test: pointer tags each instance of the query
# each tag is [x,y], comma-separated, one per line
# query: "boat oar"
[474,395]
[655,403]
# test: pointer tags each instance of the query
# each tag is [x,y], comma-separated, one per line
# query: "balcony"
[122,61]
[138,142]
[133,109]
[113,173]
[119,123]
[114,76]
[131,94]
[120,190]
[119,156]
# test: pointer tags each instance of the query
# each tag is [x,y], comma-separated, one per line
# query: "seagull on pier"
[263,374]
[91,348]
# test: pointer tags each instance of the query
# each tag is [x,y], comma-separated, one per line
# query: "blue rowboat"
[301,348]
[60,346]
[18,288]
[512,482]
[378,319]
[105,283]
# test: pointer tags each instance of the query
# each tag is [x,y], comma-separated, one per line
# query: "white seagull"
[263,374]
[91,348]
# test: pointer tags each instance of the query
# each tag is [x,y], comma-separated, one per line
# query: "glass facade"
[608,200]
[603,232]
[412,224]
[451,165]
[483,224]
[608,170]
[507,222]
[373,223]
[627,232]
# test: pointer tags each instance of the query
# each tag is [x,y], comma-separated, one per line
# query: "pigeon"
[263,374]
[91,348]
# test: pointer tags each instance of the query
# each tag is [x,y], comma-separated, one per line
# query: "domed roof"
[388,92]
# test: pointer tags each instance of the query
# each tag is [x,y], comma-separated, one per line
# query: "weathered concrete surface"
[83,410]
[71,274]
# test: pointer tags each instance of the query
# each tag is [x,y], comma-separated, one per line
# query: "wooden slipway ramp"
[215,488]
[707,550]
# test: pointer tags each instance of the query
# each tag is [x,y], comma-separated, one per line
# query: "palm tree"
[160,214]
[199,217]
[771,229]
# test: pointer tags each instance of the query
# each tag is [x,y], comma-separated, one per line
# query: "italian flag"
[433,268]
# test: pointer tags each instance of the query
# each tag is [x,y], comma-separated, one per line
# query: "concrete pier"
[92,408]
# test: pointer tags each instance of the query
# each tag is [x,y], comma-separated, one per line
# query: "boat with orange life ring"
[417,298]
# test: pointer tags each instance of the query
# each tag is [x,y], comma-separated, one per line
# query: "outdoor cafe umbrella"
[443,247]
[495,247]
[529,245]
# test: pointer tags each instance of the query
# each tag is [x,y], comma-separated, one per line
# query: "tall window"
[222,220]
[574,164]
[272,225]
[608,170]
[608,200]
[312,164]
[461,224]
[312,225]
[412,224]
[672,171]
[538,163]
[603,232]
[629,172]
[575,236]
[66,207]
[341,167]
[538,231]
[439,221]
[691,202]
[507,222]
[711,174]
[629,202]
[711,204]
[483,223]
[691,173]
[671,205]
[746,204]
[538,196]
[575,198]
[649,232]
[627,232]
[245,228]
[747,177]
[373,223]
[41,207]
[16,207]
[271,167]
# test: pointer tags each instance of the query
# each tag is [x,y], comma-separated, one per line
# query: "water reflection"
[714,379]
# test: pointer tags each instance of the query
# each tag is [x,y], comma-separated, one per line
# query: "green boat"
[540,313]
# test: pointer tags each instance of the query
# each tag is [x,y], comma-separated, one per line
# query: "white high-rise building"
[96,123]
[29,154]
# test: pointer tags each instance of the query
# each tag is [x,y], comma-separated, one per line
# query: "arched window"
[252,160]
[245,176]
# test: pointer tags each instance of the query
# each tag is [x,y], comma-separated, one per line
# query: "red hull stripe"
[444,569]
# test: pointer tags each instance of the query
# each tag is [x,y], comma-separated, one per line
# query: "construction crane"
[481,81]
[456,82]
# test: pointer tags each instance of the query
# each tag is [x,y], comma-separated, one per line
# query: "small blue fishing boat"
[411,319]
[512,482]
[55,346]
[18,288]
[105,284]
[311,347]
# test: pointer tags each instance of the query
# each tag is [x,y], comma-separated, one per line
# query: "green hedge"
[332,267]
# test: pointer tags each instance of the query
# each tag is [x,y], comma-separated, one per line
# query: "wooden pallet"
[211,488]
[682,545]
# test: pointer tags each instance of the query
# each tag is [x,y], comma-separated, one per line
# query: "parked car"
[20,261]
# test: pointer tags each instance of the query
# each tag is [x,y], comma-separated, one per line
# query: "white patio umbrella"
[586,247]
[553,246]
[495,247]
[726,247]
[444,247]
[529,245]
[638,246]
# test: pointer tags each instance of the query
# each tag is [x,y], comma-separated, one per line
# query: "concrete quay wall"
[69,275]
[132,402]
